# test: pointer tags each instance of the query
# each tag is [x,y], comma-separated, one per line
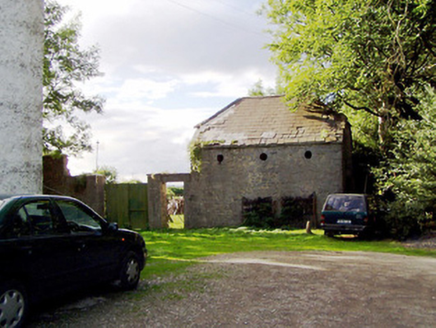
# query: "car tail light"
[322,220]
[365,219]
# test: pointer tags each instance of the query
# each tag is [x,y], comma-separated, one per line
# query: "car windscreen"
[345,203]
[2,203]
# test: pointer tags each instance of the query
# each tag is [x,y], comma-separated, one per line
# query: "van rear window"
[345,203]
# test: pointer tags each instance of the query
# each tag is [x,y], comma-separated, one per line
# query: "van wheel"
[130,271]
[13,305]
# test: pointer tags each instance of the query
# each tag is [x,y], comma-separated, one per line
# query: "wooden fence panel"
[127,204]
[138,205]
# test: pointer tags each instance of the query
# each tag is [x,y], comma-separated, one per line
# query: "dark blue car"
[347,214]
[53,244]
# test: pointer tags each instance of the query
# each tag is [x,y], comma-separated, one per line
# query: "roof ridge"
[264,120]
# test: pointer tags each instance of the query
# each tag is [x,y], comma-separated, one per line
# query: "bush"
[400,221]
[257,220]
[258,213]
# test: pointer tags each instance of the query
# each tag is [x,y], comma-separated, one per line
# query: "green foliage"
[195,149]
[365,160]
[258,213]
[195,156]
[109,172]
[259,90]
[258,219]
[364,128]
[174,250]
[409,174]
[80,183]
[375,62]
[295,212]
[175,192]
[368,55]
[65,65]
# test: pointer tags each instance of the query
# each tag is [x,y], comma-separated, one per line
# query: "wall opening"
[308,154]
[175,205]
[263,157]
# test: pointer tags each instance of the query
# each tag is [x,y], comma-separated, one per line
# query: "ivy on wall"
[195,152]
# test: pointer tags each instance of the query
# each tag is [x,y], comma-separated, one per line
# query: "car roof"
[6,196]
[348,195]
[39,196]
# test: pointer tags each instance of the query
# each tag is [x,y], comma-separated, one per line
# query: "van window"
[345,203]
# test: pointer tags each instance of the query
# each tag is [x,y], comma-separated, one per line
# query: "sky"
[168,65]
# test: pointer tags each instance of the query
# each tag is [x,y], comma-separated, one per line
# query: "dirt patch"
[427,241]
[272,289]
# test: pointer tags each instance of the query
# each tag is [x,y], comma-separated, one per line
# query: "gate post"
[157,204]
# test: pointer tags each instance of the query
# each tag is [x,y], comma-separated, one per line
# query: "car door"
[39,248]
[97,255]
[15,246]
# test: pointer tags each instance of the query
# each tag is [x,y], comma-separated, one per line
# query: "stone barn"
[258,160]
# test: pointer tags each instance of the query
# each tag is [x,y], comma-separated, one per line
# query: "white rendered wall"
[21,42]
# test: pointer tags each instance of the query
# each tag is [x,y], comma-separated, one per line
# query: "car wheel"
[130,272]
[13,305]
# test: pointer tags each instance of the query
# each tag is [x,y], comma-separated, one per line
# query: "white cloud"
[145,88]
[226,84]
[139,140]
[168,65]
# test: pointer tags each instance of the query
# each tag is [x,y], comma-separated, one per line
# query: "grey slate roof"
[269,121]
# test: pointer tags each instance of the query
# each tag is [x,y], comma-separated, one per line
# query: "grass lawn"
[174,249]
[178,221]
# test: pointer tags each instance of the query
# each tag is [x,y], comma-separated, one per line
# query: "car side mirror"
[113,226]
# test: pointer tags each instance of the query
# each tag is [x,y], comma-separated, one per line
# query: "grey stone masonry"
[216,192]
[257,151]
[257,148]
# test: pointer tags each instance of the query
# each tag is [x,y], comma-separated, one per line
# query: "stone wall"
[230,174]
[87,188]
[21,37]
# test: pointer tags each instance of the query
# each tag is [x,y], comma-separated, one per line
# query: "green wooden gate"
[127,204]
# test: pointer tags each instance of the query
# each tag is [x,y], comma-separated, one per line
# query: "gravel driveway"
[270,289]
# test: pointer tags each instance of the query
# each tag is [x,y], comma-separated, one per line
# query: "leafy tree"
[109,172]
[259,90]
[175,191]
[375,61]
[65,65]
[410,173]
[371,56]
